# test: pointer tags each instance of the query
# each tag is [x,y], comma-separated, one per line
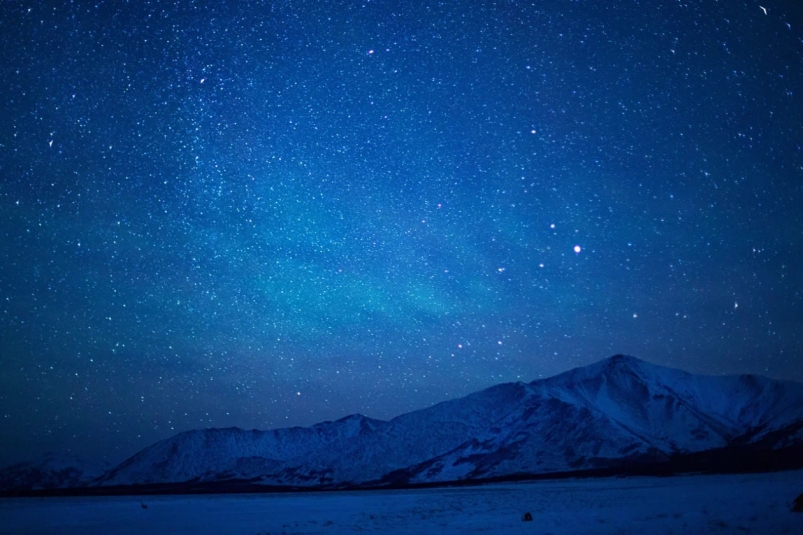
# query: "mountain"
[50,471]
[620,415]
[620,412]
[624,412]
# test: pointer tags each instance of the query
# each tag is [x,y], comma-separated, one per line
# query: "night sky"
[267,214]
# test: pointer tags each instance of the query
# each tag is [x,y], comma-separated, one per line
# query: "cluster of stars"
[259,215]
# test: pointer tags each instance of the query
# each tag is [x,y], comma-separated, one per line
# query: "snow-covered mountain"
[51,471]
[614,413]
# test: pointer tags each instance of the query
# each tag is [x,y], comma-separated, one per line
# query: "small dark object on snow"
[143,505]
[797,507]
[527,517]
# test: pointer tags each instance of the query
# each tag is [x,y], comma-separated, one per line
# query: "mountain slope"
[50,471]
[616,412]
[351,450]
[623,410]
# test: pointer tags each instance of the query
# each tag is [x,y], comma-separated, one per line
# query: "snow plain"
[744,503]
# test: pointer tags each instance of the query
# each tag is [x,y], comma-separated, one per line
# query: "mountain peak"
[620,359]
[352,417]
[618,364]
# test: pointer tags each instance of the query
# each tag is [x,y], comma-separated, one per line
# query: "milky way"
[265,214]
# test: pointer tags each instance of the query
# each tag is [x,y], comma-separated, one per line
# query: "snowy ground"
[758,503]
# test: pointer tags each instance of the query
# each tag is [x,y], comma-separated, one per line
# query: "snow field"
[752,503]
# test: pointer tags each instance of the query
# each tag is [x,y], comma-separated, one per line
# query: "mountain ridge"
[619,412]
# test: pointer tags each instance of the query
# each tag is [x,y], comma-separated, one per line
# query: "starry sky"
[267,214]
